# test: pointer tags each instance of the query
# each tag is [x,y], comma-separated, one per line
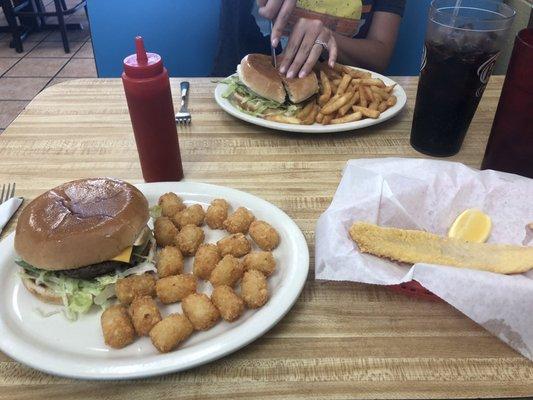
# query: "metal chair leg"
[7,6]
[64,5]
[62,26]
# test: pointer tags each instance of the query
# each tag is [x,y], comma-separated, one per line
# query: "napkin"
[7,210]
[429,195]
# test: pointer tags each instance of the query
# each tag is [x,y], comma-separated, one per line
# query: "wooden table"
[341,340]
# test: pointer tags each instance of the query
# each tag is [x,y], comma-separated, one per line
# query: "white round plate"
[316,128]
[76,349]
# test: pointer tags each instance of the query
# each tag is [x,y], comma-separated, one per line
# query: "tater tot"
[263,261]
[175,288]
[237,245]
[217,213]
[189,239]
[192,215]
[170,204]
[169,261]
[228,271]
[164,231]
[266,237]
[239,221]
[144,314]
[205,260]
[200,310]
[117,327]
[134,286]
[254,289]
[229,304]
[168,333]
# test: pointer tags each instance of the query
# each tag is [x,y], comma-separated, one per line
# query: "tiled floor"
[43,63]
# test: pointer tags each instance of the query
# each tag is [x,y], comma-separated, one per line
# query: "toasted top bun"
[300,89]
[80,223]
[257,72]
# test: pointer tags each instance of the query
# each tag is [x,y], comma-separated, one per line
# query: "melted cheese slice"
[124,256]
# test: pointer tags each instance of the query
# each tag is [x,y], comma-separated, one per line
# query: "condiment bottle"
[147,89]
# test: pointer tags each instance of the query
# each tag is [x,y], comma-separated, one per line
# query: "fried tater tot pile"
[236,266]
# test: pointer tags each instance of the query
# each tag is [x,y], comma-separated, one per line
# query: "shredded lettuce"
[155,211]
[79,295]
[260,105]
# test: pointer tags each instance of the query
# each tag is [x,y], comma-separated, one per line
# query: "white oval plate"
[316,128]
[76,349]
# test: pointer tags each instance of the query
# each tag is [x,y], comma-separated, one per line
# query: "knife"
[272,49]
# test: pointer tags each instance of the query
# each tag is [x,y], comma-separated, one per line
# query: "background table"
[341,340]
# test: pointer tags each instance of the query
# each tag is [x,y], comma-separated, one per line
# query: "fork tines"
[7,192]
[184,119]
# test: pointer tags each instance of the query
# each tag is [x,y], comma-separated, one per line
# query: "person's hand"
[302,51]
[279,12]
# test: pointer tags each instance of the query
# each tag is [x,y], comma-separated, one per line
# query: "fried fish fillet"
[413,246]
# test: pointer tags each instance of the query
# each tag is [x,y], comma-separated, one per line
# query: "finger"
[281,20]
[305,48]
[333,51]
[292,47]
[314,55]
[270,9]
[261,3]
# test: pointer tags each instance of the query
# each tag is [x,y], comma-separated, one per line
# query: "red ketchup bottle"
[149,99]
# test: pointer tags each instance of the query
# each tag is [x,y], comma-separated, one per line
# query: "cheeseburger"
[259,89]
[77,239]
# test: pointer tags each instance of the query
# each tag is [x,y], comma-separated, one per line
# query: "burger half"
[77,239]
[260,90]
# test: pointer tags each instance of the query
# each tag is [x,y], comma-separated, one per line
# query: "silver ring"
[321,43]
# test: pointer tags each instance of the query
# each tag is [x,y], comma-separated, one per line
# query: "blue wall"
[185,33]
[408,52]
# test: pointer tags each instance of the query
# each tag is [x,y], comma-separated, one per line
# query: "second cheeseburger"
[76,240]
[259,89]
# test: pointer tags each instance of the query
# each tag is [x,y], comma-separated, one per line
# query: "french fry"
[362,98]
[383,94]
[339,68]
[389,89]
[377,96]
[345,81]
[310,119]
[367,112]
[382,106]
[327,119]
[283,119]
[374,105]
[334,105]
[326,89]
[392,101]
[356,116]
[304,112]
[319,117]
[348,106]
[372,81]
[334,88]
[368,94]
[337,81]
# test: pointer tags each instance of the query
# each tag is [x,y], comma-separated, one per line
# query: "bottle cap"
[142,64]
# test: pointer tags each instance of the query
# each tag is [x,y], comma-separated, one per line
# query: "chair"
[34,9]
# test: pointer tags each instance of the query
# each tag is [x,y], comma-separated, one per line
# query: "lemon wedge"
[472,225]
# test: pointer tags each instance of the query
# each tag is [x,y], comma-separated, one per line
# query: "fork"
[184,116]
[5,195]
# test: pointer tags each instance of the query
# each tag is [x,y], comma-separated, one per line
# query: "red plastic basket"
[415,289]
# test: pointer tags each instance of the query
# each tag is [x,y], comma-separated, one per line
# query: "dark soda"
[452,81]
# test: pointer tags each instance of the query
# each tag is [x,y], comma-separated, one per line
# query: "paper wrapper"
[428,195]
